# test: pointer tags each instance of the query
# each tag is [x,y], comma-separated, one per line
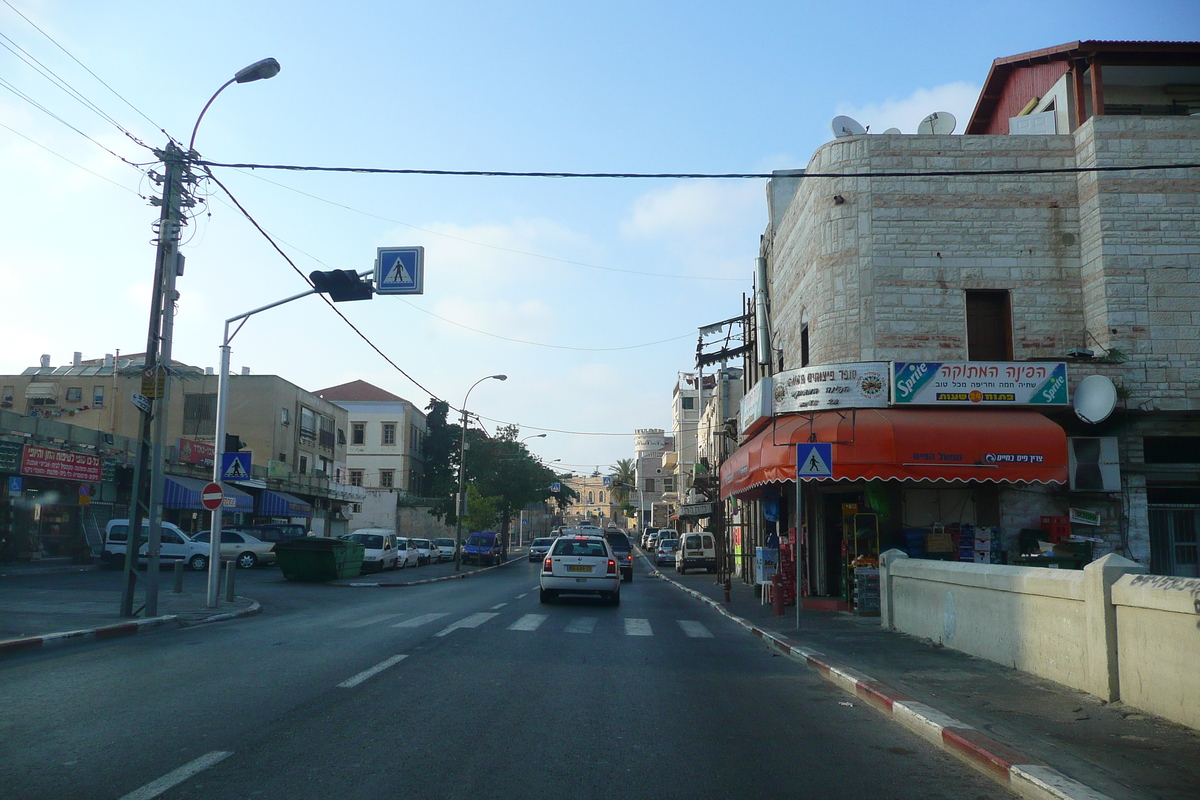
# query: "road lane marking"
[637,627]
[362,623]
[473,621]
[694,629]
[582,625]
[529,622]
[499,605]
[372,672]
[155,788]
[522,596]
[421,620]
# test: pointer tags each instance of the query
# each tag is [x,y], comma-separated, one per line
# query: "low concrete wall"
[1158,645]
[1109,630]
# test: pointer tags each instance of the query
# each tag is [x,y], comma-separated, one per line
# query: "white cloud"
[692,208]
[906,113]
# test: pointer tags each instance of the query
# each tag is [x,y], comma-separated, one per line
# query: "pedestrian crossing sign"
[400,270]
[814,460]
[235,466]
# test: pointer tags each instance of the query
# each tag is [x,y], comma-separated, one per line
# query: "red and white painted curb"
[455,576]
[1027,776]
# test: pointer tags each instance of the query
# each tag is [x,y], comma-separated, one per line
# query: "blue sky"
[523,86]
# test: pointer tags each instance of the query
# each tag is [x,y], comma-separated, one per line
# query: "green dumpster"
[317,558]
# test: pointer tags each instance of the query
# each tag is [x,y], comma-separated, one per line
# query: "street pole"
[461,500]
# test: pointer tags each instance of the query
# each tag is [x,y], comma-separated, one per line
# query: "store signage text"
[191,452]
[979,383]
[47,462]
[756,407]
[860,385]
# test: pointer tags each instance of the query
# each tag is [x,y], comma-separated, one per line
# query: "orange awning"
[900,444]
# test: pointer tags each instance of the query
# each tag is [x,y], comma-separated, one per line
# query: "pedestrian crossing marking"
[473,621]
[499,605]
[418,621]
[362,623]
[694,629]
[637,627]
[582,625]
[529,622]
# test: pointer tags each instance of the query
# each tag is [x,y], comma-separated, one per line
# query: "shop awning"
[893,444]
[184,493]
[42,391]
[282,504]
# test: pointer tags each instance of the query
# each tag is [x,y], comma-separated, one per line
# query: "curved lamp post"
[461,500]
[258,71]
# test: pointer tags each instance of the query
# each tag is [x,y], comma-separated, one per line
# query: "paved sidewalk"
[1024,731]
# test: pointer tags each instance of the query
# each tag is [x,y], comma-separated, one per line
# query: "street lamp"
[461,501]
[148,469]
[534,436]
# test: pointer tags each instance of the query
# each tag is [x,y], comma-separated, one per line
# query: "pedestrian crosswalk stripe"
[582,625]
[421,620]
[637,627]
[694,629]
[362,623]
[499,605]
[473,621]
[529,622]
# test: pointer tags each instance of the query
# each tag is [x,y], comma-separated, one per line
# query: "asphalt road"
[460,689]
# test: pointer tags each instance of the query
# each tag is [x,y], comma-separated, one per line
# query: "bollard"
[230,571]
[178,577]
[777,593]
[727,588]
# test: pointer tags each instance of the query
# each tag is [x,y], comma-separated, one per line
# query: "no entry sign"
[211,496]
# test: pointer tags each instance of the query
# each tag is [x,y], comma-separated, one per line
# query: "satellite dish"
[124,363]
[845,126]
[891,130]
[939,122]
[1095,398]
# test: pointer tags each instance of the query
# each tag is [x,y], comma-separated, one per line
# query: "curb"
[456,576]
[1029,777]
[254,608]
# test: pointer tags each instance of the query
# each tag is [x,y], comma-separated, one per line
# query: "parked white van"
[177,546]
[379,545]
[696,550]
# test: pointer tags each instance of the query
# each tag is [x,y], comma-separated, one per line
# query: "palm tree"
[624,476]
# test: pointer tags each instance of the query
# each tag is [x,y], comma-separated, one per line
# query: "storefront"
[46,490]
[283,507]
[182,506]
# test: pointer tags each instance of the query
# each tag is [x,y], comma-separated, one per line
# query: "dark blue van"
[483,548]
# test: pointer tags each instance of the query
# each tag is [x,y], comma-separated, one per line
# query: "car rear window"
[618,541]
[668,543]
[373,541]
[708,541]
[573,547]
[692,541]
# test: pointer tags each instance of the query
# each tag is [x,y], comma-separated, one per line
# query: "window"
[9,391]
[326,426]
[74,394]
[1174,538]
[669,484]
[804,345]
[1171,449]
[358,433]
[989,326]
[602,498]
[649,486]
[389,434]
[387,478]
[356,507]
[356,477]
[285,416]
[688,403]
[591,498]
[414,482]
[199,414]
[308,423]
[303,465]
[98,397]
[326,465]
[341,438]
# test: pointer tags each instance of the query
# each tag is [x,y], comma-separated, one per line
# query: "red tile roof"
[358,392]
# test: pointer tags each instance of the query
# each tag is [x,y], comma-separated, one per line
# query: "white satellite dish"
[1095,398]
[124,363]
[846,126]
[939,122]
[891,130]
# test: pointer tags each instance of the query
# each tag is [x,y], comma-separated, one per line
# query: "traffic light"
[341,284]
[233,443]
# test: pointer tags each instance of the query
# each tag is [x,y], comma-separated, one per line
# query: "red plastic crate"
[1059,528]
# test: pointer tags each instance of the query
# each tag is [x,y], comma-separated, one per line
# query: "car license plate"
[579,567]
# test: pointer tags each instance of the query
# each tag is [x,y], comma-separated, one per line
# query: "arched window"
[602,498]
[591,498]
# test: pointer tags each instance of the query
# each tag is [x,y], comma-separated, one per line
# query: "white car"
[696,551]
[379,548]
[446,549]
[425,551]
[407,552]
[243,548]
[175,545]
[581,565]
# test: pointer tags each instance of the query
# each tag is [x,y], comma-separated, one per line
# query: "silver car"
[581,565]
[539,547]
[665,552]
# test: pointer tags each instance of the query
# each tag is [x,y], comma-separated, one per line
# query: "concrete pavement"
[1040,739]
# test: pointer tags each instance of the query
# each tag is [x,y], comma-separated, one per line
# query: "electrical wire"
[72,163]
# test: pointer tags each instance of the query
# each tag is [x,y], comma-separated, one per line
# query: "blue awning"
[282,504]
[184,493]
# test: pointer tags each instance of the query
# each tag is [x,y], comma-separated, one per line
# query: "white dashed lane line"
[370,673]
[473,621]
[417,621]
[155,788]
[499,605]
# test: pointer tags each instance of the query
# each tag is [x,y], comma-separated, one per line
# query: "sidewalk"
[1038,737]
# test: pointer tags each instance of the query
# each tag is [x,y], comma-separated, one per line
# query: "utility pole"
[147,491]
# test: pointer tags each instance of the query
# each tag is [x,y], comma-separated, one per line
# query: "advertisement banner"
[984,383]
[860,385]
[10,456]
[47,462]
[191,452]
[756,407]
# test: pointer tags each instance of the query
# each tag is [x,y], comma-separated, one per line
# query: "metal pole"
[214,541]
[460,499]
[796,544]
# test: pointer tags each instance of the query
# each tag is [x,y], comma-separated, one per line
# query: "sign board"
[858,385]
[235,466]
[85,494]
[15,486]
[608,480]
[191,452]
[556,487]
[1082,517]
[47,462]
[400,270]
[154,382]
[140,400]
[211,496]
[756,408]
[984,383]
[814,460]
[696,510]
[10,456]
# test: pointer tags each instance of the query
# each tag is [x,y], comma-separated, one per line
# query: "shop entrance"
[830,580]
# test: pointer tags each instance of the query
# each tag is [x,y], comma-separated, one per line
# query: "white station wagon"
[581,565]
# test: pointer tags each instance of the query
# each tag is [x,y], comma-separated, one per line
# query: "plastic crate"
[1059,528]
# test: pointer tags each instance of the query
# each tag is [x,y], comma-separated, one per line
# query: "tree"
[441,460]
[624,478]
[481,511]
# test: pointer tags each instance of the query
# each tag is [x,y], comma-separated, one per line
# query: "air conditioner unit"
[1094,464]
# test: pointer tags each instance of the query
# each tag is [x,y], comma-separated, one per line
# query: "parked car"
[483,548]
[175,546]
[379,548]
[425,551]
[407,552]
[580,565]
[623,549]
[240,547]
[273,532]
[645,539]
[446,548]
[696,550]
[664,553]
[539,547]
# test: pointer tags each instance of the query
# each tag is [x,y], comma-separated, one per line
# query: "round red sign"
[211,496]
